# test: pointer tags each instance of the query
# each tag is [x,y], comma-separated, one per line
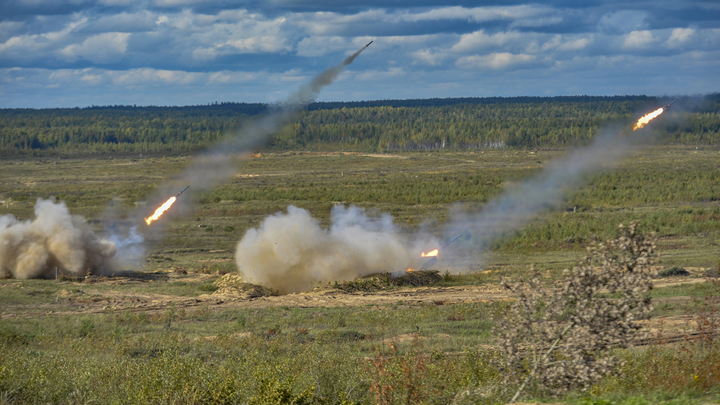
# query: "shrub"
[558,340]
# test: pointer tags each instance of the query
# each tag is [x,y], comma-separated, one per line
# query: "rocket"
[668,106]
[183,190]
[369,43]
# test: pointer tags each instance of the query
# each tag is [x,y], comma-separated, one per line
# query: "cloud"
[477,14]
[638,39]
[496,61]
[103,48]
[679,37]
[322,45]
[561,43]
[623,21]
[478,40]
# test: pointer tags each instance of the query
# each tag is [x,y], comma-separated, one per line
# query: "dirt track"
[103,297]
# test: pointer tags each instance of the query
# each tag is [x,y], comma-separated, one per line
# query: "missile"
[183,190]
[668,106]
[369,43]
[434,259]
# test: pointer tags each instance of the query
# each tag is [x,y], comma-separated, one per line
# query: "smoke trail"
[291,252]
[221,161]
[55,238]
[515,208]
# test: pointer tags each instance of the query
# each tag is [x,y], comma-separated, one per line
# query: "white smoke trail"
[291,252]
[214,167]
[54,239]
[221,161]
[515,208]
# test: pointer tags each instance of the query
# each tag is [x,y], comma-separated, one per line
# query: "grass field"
[158,334]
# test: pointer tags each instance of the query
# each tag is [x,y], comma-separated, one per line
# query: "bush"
[558,340]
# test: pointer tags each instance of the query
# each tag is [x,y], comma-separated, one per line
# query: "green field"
[89,341]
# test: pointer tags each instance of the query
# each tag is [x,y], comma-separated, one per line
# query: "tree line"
[381,125]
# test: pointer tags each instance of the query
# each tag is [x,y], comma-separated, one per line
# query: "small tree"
[555,340]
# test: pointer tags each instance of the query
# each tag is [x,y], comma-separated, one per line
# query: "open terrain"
[170,330]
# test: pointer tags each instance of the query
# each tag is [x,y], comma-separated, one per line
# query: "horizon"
[381,102]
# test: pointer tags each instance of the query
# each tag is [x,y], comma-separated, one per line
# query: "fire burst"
[647,118]
[161,210]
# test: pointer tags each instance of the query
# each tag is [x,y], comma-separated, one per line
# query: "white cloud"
[425,56]
[496,61]
[623,21]
[379,75]
[29,45]
[560,43]
[103,48]
[478,40]
[638,39]
[319,46]
[477,14]
[679,36]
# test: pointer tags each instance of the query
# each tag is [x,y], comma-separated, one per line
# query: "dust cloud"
[54,239]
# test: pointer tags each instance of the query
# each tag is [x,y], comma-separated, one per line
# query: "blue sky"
[183,52]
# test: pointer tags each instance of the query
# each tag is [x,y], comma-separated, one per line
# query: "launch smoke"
[221,161]
[291,252]
[55,239]
[517,206]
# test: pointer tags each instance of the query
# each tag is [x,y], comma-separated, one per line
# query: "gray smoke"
[54,239]
[516,207]
[221,161]
[291,252]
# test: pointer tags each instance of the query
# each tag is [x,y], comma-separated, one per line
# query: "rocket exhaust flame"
[161,210]
[645,119]
[431,253]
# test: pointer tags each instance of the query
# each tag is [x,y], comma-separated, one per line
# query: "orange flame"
[647,118]
[161,210]
[432,253]
[409,269]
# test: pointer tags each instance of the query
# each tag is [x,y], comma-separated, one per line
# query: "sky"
[78,53]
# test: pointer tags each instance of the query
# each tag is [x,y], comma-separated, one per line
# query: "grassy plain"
[156,335]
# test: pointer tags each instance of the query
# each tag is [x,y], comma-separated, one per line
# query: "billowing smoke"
[55,239]
[292,252]
[221,161]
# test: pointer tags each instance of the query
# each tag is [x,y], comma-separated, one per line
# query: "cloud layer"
[176,52]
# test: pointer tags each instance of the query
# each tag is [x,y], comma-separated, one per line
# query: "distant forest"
[382,125]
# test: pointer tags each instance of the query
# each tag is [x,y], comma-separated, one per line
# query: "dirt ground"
[100,296]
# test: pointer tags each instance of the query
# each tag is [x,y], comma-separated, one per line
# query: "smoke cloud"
[291,252]
[54,239]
